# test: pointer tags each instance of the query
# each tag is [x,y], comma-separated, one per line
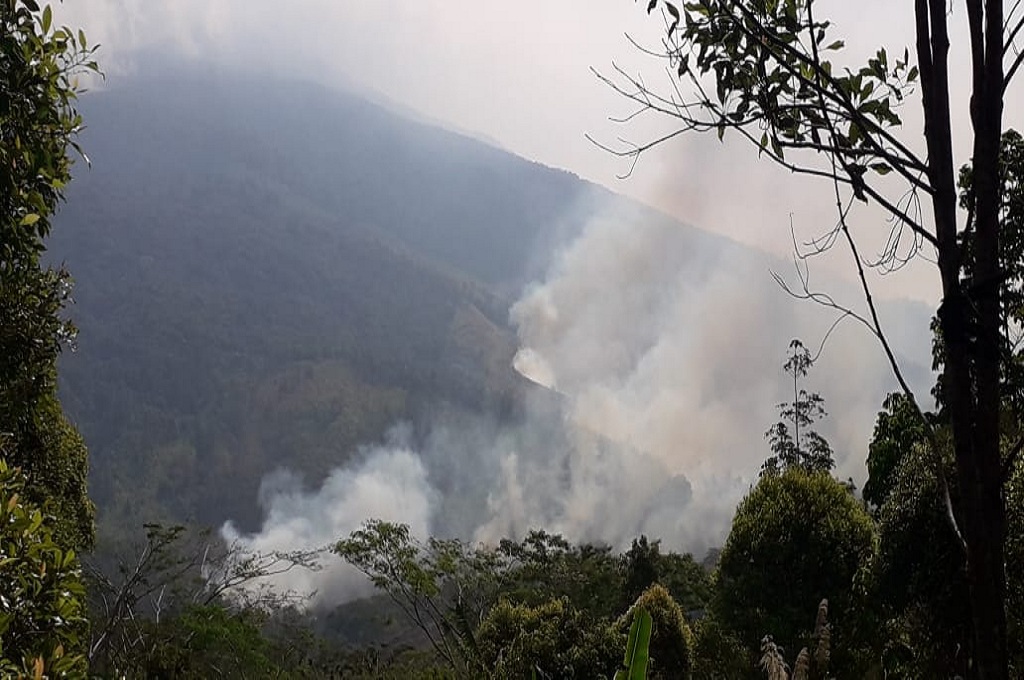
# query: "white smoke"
[388,483]
[665,346]
[671,341]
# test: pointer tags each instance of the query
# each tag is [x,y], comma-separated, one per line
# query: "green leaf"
[637,648]
[882,168]
[837,45]
[29,219]
[47,19]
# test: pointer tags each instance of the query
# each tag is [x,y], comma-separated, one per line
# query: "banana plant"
[637,654]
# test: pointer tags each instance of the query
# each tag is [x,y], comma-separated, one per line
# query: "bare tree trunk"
[980,469]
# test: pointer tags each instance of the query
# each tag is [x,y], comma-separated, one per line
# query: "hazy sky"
[518,73]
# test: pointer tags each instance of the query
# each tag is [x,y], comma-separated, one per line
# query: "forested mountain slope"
[268,274]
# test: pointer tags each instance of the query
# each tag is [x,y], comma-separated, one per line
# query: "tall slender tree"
[803,447]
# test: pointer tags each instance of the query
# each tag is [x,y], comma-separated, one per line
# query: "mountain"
[270,273]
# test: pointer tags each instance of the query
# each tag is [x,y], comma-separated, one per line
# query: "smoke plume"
[662,347]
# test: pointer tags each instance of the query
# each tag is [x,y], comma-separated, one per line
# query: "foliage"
[717,653]
[919,577]
[803,447]
[545,566]
[797,537]
[898,430]
[550,640]
[204,641]
[764,68]
[39,64]
[771,70]
[42,621]
[644,564]
[637,648]
[920,573]
[151,610]
[443,586]
[1011,266]
[1015,565]
[671,645]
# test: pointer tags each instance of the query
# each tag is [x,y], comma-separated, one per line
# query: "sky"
[519,75]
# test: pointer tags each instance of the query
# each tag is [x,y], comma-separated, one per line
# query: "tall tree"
[39,64]
[763,69]
[796,538]
[803,446]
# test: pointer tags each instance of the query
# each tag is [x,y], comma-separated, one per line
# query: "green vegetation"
[553,640]
[42,612]
[45,511]
[671,642]
[39,63]
[797,537]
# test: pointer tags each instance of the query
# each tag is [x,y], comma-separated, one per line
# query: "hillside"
[271,275]
[255,288]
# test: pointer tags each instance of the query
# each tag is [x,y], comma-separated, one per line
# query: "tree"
[717,653]
[898,430]
[175,579]
[549,640]
[671,644]
[919,579]
[797,538]
[544,567]
[444,586]
[804,447]
[920,571]
[762,69]
[38,126]
[644,565]
[42,607]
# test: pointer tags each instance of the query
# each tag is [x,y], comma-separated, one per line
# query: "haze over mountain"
[299,310]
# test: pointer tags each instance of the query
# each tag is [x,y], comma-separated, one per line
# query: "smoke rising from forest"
[665,347]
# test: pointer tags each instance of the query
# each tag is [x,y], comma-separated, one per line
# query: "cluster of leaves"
[671,644]
[39,65]
[38,125]
[1011,267]
[553,640]
[775,84]
[43,628]
[918,581]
